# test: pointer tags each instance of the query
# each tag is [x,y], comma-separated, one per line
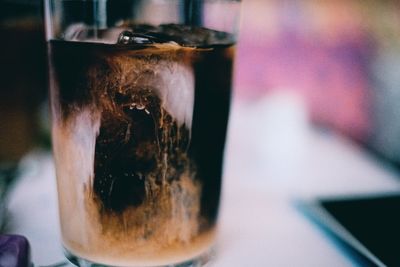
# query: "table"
[274,157]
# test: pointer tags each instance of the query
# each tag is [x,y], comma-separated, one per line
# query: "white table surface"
[273,157]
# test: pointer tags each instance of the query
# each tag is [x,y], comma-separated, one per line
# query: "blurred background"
[23,76]
[317,91]
[340,57]
[23,90]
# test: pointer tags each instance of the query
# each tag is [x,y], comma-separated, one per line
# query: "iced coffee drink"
[139,123]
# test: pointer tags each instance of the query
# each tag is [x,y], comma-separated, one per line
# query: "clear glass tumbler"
[140,96]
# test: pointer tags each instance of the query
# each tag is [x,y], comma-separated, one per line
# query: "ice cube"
[143,34]
[128,37]
[80,32]
[194,36]
[76,32]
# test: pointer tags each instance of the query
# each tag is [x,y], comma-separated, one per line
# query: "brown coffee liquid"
[139,132]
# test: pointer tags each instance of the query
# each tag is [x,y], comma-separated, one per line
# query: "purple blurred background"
[342,57]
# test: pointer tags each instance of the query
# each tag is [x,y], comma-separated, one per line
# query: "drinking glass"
[140,95]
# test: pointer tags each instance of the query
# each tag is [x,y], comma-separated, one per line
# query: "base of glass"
[199,261]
